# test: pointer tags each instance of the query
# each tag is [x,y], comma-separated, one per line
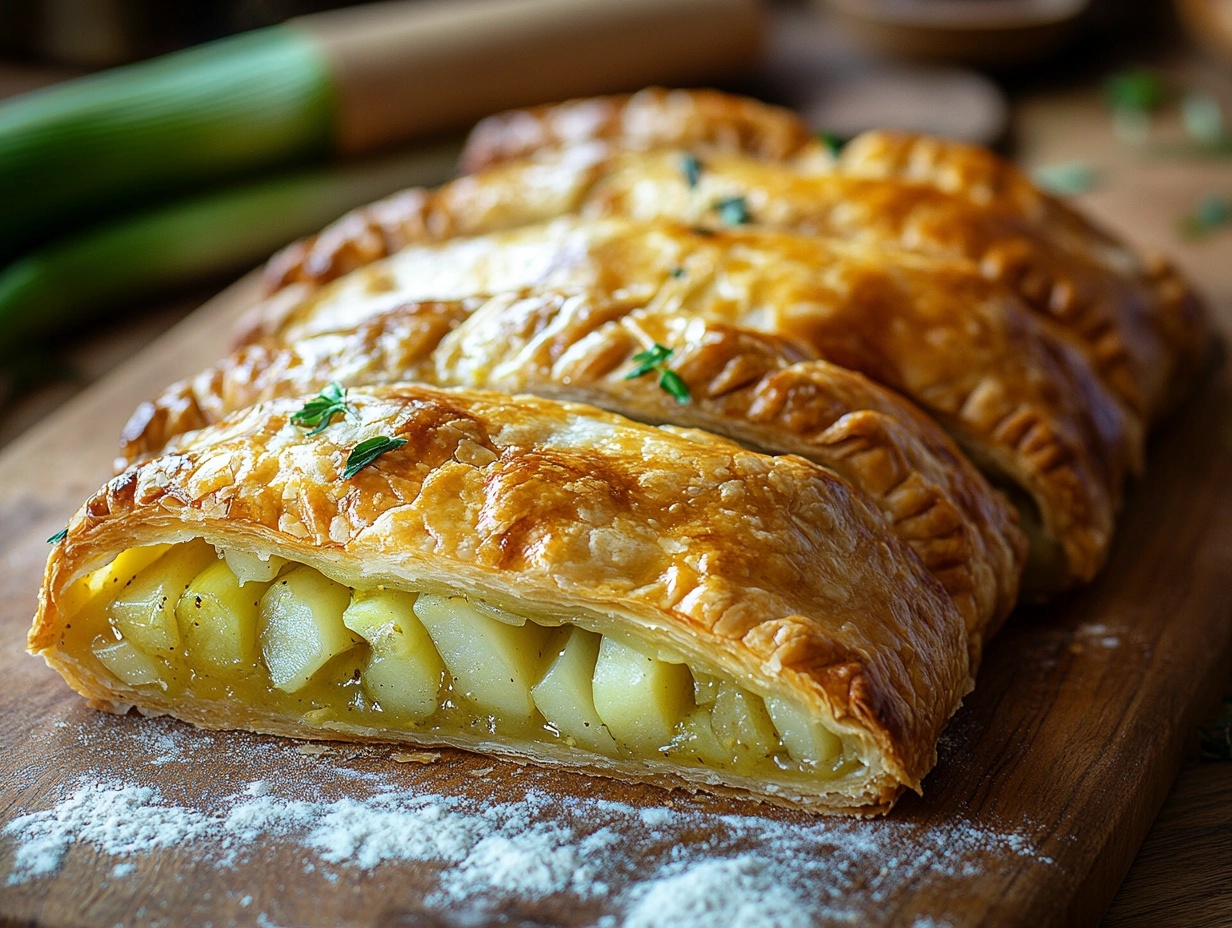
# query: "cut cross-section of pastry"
[1019,398]
[521,577]
[741,384]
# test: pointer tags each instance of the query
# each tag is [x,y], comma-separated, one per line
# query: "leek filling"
[282,637]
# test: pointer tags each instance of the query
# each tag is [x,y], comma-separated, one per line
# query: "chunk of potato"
[144,610]
[805,738]
[403,673]
[493,664]
[110,579]
[124,660]
[697,741]
[564,694]
[301,626]
[741,724]
[640,699]
[248,568]
[218,618]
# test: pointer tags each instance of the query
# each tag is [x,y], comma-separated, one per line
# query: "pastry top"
[745,385]
[769,567]
[643,121]
[1141,327]
[1011,391]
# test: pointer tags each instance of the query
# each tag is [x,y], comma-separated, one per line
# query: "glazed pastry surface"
[769,570]
[1018,397]
[1140,325]
[756,389]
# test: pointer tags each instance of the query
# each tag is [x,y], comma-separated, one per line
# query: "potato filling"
[279,635]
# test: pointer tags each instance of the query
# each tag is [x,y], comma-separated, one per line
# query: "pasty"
[1140,326]
[524,577]
[747,386]
[1019,399]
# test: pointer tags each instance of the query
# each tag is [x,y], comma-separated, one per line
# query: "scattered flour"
[670,865]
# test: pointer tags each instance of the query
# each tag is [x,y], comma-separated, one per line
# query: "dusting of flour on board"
[607,863]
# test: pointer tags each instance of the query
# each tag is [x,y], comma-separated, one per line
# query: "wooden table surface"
[1180,876]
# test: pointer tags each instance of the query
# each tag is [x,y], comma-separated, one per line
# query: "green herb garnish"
[834,143]
[57,537]
[734,211]
[321,409]
[1140,91]
[1202,117]
[1067,178]
[1212,213]
[368,451]
[692,169]
[677,272]
[655,359]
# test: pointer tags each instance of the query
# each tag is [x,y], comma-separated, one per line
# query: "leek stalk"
[72,152]
[223,233]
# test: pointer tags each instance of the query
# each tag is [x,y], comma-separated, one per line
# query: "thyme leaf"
[734,211]
[321,409]
[368,451]
[57,537]
[692,168]
[655,359]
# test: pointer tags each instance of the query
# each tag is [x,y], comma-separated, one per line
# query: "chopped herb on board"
[368,451]
[1140,90]
[321,409]
[655,359]
[1214,212]
[1068,178]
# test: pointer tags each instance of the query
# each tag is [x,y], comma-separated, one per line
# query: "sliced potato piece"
[248,568]
[640,699]
[741,724]
[144,610]
[493,664]
[404,672]
[110,579]
[129,664]
[805,739]
[697,741]
[218,618]
[564,694]
[301,626]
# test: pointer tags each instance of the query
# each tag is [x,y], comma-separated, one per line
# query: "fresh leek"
[218,234]
[71,152]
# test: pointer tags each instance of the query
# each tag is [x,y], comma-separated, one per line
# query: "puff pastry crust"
[1021,400]
[756,389]
[1141,327]
[567,511]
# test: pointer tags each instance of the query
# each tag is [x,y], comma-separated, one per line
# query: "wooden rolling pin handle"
[407,69]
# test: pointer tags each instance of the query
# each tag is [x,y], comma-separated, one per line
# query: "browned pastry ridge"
[1140,326]
[768,567]
[1017,397]
[744,385]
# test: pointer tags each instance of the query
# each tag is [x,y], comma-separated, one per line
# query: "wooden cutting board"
[1048,778]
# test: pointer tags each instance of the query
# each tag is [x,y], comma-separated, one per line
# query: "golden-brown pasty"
[1020,399]
[531,579]
[753,388]
[1140,325]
